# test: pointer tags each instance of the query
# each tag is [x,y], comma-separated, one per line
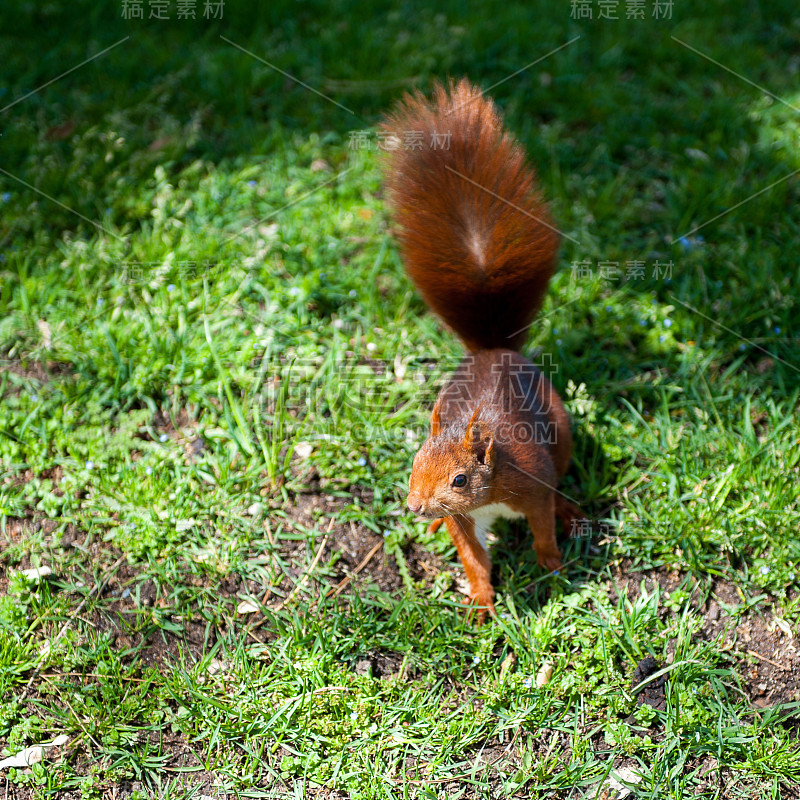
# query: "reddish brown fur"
[477,429]
[476,236]
[482,263]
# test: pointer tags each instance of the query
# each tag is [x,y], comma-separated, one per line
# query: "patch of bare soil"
[33,371]
[767,646]
[356,548]
[764,646]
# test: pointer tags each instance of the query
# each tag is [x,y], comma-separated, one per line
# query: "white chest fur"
[486,516]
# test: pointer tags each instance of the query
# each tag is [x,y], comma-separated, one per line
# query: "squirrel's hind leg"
[569,514]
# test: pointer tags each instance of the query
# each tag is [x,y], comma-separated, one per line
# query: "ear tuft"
[436,419]
[479,439]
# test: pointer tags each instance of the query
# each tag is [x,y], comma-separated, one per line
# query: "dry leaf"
[784,626]
[508,664]
[544,674]
[247,607]
[44,329]
[614,790]
[303,449]
[36,573]
[33,754]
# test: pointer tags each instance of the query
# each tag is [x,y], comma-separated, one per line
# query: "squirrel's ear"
[436,422]
[480,439]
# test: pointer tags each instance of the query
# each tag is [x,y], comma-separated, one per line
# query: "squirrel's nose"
[414,503]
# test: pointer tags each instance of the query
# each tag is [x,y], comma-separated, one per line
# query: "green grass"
[214,376]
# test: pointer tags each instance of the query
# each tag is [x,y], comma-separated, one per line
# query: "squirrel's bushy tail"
[475,234]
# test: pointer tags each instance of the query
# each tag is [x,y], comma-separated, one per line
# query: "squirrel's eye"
[460,480]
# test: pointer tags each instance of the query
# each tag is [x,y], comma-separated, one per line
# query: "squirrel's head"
[453,470]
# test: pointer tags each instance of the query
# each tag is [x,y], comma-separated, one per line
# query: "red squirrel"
[477,241]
